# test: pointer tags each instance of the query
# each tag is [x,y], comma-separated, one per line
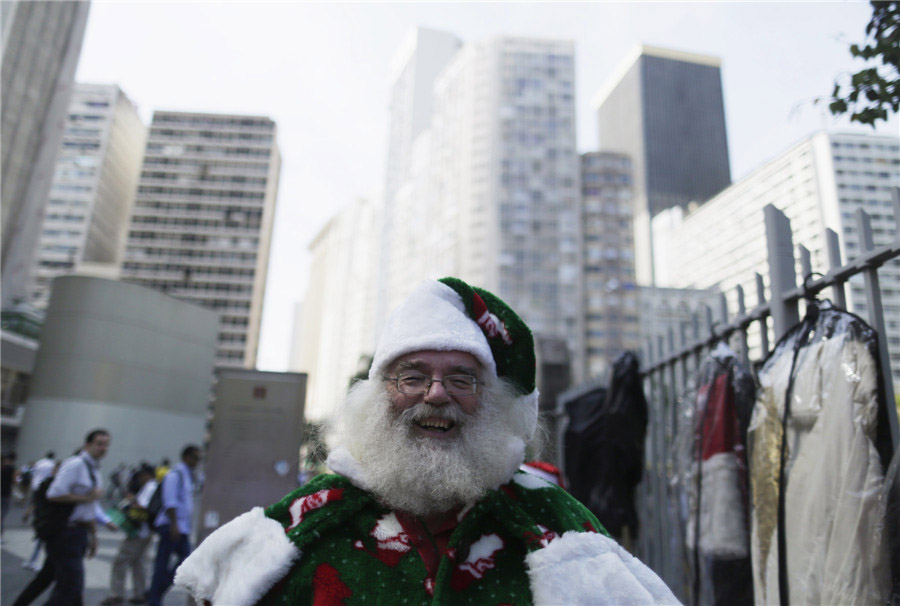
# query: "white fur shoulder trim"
[239,562]
[341,462]
[587,568]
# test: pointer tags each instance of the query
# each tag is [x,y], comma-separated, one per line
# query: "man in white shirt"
[78,483]
[133,547]
[174,523]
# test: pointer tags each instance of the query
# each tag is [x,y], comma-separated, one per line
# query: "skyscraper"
[421,57]
[41,45]
[337,319]
[93,187]
[665,109]
[504,205]
[610,317]
[486,189]
[202,222]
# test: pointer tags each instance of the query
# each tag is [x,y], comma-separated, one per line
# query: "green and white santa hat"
[450,315]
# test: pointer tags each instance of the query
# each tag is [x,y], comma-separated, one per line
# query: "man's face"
[98,446]
[435,365]
[192,459]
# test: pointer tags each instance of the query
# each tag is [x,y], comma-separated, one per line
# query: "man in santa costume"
[426,504]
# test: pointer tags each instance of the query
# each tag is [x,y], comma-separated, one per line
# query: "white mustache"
[421,411]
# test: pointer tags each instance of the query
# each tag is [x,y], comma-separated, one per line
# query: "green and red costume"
[528,542]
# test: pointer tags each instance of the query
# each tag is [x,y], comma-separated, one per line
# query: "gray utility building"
[123,357]
[665,110]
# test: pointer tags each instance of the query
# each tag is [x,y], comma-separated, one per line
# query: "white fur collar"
[238,563]
[588,568]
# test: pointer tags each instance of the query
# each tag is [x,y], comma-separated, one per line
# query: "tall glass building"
[665,110]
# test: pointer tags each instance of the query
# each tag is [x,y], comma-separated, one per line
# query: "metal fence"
[670,365]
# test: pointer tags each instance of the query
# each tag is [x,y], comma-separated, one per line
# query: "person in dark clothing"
[6,487]
[44,578]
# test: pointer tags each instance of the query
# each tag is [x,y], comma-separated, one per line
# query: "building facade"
[818,184]
[93,187]
[610,303]
[337,319]
[202,222]
[665,110]
[420,59]
[41,45]
[486,190]
[505,179]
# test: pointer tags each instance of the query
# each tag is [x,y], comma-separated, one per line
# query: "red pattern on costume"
[310,502]
[490,324]
[542,539]
[481,558]
[508,491]
[328,589]
[589,527]
[391,541]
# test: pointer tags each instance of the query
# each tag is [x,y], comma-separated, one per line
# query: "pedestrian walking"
[7,479]
[173,523]
[75,491]
[44,578]
[133,547]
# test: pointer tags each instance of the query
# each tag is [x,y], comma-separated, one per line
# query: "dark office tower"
[665,109]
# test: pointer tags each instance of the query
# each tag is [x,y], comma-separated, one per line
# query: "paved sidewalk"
[17,546]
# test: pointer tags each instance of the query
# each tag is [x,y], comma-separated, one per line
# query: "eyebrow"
[420,366]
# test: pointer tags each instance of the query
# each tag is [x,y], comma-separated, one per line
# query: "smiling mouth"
[441,425]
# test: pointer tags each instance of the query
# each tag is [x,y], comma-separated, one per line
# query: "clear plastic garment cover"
[823,523]
[711,480]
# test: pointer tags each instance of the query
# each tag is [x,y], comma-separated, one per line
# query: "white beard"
[422,475]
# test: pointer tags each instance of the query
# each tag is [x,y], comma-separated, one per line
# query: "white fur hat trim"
[433,317]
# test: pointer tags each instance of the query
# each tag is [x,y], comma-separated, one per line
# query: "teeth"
[441,424]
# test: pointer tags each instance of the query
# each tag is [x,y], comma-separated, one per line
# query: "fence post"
[782,275]
[876,319]
[834,260]
[763,325]
[744,352]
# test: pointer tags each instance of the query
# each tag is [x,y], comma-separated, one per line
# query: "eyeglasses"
[414,384]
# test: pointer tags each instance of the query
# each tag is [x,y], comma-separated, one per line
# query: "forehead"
[430,360]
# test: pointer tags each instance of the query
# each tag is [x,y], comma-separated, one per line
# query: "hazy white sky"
[320,71]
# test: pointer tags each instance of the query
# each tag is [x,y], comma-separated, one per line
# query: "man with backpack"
[173,522]
[71,533]
[41,510]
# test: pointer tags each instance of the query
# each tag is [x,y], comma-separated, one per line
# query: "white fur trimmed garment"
[590,569]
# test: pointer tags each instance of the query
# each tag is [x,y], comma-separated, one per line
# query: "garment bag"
[819,446]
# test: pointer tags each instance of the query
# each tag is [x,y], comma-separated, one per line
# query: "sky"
[321,71]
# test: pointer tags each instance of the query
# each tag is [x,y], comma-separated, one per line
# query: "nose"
[436,393]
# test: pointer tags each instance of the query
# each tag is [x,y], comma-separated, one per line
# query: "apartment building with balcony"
[201,227]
